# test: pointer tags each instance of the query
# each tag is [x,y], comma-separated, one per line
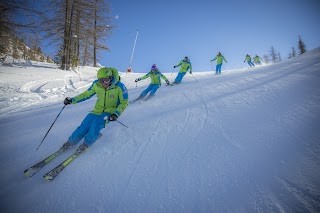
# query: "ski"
[133,101]
[56,171]
[35,168]
[148,98]
[171,84]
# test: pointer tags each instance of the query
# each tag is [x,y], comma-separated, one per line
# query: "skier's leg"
[181,75]
[177,78]
[82,130]
[217,68]
[154,89]
[97,125]
[145,92]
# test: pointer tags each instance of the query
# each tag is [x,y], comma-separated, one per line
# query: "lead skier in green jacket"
[112,101]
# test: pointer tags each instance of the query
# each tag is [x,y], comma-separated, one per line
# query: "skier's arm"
[224,60]
[123,99]
[163,77]
[85,95]
[145,76]
[190,67]
[214,58]
[178,65]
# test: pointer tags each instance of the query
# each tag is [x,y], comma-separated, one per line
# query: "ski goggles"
[105,80]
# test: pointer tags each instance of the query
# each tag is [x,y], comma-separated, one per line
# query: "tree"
[16,15]
[102,28]
[77,26]
[266,59]
[273,55]
[301,46]
[293,52]
[279,57]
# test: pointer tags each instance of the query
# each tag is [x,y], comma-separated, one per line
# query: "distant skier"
[257,59]
[248,59]
[112,101]
[185,65]
[219,59]
[155,76]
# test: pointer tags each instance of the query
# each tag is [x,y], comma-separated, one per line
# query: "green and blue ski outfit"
[248,59]
[257,59]
[111,102]
[219,59]
[155,75]
[185,66]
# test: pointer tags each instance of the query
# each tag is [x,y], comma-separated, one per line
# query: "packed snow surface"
[244,141]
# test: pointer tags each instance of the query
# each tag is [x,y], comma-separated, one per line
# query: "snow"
[244,141]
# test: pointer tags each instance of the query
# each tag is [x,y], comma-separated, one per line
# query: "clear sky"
[172,29]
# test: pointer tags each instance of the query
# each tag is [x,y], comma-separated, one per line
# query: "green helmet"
[104,72]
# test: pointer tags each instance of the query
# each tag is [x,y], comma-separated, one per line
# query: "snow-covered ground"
[245,141]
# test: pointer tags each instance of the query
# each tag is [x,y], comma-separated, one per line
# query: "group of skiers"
[256,60]
[113,99]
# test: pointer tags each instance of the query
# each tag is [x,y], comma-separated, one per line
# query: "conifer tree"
[301,46]
[273,55]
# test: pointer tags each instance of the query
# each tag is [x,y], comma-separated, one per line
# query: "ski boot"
[67,145]
[83,147]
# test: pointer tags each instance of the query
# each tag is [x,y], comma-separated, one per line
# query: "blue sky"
[170,30]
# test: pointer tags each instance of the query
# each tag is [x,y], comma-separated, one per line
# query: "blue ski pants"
[89,129]
[179,77]
[152,87]
[218,68]
[250,64]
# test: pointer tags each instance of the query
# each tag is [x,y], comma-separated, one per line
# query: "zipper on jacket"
[104,101]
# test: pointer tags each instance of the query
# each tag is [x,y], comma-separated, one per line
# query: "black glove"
[113,117]
[174,66]
[67,101]
[190,72]
[244,61]
[138,79]
[167,82]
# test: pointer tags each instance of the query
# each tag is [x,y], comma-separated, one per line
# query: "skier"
[112,101]
[185,65]
[248,59]
[257,59]
[220,59]
[155,76]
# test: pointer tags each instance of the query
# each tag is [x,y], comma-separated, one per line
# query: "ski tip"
[48,178]
[26,172]
[30,172]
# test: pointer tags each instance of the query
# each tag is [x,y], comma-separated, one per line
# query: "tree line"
[274,56]
[78,28]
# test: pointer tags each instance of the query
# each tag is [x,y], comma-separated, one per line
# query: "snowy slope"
[244,141]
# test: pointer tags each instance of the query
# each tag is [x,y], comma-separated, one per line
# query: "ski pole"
[122,124]
[172,71]
[194,77]
[212,66]
[170,89]
[107,118]
[51,126]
